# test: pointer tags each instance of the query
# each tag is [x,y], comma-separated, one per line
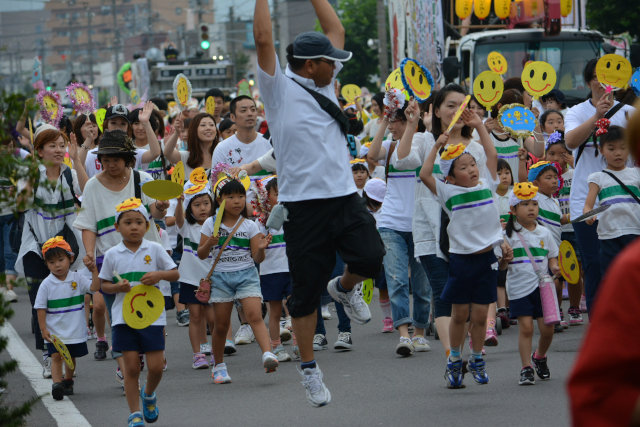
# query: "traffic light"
[204,37]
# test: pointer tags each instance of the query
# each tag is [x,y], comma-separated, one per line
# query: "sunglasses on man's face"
[327,61]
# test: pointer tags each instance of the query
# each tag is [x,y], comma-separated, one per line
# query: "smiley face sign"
[488,88]
[497,62]
[569,267]
[367,290]
[525,190]
[50,107]
[394,81]
[210,105]
[142,306]
[181,90]
[177,175]
[100,115]
[613,71]
[63,350]
[350,92]
[198,176]
[538,78]
[517,119]
[416,79]
[81,98]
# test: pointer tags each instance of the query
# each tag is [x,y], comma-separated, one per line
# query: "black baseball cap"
[117,110]
[315,45]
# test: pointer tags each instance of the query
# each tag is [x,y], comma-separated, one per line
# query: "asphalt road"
[370,385]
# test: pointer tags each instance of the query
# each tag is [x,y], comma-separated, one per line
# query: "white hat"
[132,204]
[376,189]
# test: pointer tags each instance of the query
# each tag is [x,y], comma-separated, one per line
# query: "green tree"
[614,16]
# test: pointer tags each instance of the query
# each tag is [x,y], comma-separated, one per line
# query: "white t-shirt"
[521,277]
[311,151]
[237,254]
[563,199]
[474,221]
[588,162]
[508,150]
[98,213]
[93,166]
[236,153]
[150,256]
[64,302]
[275,260]
[172,230]
[397,208]
[623,217]
[154,167]
[192,268]
[503,204]
[268,161]
[549,214]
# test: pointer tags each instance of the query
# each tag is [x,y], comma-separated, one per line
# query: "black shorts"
[473,279]
[314,232]
[75,350]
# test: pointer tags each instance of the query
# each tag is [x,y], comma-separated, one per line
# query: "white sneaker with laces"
[353,302]
[10,295]
[317,393]
[244,335]
[326,314]
[46,365]
[404,347]
[420,343]
[343,342]
[282,354]
[205,348]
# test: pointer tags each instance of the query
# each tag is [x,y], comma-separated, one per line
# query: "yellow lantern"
[482,8]
[463,8]
[502,8]
[565,7]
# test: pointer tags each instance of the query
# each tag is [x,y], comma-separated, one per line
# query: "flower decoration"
[81,98]
[394,101]
[554,138]
[50,106]
[261,205]
[603,126]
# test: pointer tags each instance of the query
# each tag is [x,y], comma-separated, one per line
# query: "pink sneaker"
[387,323]
[471,347]
[491,338]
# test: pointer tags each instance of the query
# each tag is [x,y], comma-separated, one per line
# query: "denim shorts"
[235,285]
[125,338]
[530,305]
[75,350]
[472,279]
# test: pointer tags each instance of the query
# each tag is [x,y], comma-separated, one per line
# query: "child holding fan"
[473,267]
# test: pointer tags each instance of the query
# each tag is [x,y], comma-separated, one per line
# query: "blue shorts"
[235,285]
[188,294]
[381,281]
[472,279]
[531,305]
[275,286]
[75,350]
[125,338]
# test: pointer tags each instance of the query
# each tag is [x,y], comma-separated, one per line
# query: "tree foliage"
[614,16]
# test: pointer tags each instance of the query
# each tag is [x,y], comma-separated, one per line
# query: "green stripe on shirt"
[617,190]
[551,216]
[508,150]
[106,223]
[133,276]
[65,204]
[278,238]
[192,245]
[472,196]
[235,241]
[65,302]
[520,252]
[392,169]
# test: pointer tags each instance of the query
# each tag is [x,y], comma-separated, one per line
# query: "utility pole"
[149,19]
[383,59]
[233,45]
[116,46]
[89,41]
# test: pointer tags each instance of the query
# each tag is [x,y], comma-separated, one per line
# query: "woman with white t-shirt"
[395,226]
[201,140]
[87,132]
[580,124]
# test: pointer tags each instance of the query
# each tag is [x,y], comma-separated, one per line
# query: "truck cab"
[568,52]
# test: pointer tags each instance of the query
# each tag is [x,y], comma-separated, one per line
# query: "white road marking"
[64,412]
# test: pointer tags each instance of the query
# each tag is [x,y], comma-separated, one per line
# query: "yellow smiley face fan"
[449,155]
[132,204]
[523,191]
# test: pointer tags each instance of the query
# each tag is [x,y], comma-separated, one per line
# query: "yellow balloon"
[488,88]
[482,8]
[142,306]
[614,71]
[463,8]
[538,78]
[502,8]
[210,105]
[565,7]
[394,81]
[350,92]
[497,62]
[177,175]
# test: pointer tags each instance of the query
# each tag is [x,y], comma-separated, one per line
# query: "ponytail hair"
[511,225]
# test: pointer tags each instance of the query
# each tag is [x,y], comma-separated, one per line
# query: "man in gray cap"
[325,213]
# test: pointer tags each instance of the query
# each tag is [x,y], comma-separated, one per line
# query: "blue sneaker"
[149,407]
[477,368]
[454,374]
[135,420]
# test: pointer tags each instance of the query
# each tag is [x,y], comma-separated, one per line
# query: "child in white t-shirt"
[473,267]
[60,306]
[619,225]
[189,220]
[522,280]
[360,174]
[132,262]
[235,276]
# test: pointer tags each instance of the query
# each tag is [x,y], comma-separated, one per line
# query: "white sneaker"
[285,334]
[344,341]
[269,361]
[420,343]
[282,354]
[205,348]
[404,347]
[10,295]
[353,302]
[286,323]
[326,314]
[244,335]
[46,366]
[317,393]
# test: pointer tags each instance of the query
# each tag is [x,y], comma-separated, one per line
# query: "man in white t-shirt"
[580,123]
[325,213]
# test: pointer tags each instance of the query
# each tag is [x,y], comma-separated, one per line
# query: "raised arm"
[330,23]
[575,137]
[154,146]
[426,173]
[471,119]
[170,151]
[263,37]
[376,150]
[413,115]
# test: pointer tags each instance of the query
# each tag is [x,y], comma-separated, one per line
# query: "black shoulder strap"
[67,175]
[627,189]
[329,107]
[136,184]
[608,115]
